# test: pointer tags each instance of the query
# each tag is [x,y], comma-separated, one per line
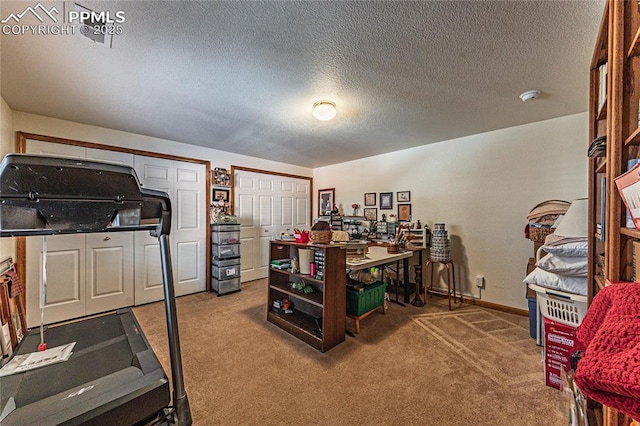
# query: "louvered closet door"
[185,184]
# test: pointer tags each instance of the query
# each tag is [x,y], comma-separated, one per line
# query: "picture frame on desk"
[404,212]
[371,214]
[370,199]
[386,201]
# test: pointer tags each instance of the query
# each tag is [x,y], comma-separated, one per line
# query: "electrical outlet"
[479,281]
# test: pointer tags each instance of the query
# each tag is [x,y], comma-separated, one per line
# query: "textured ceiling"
[242,76]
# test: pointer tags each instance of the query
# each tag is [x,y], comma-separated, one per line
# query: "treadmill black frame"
[45,195]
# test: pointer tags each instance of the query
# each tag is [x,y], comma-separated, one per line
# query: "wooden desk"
[377,256]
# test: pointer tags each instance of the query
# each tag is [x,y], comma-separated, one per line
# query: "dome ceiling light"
[324,110]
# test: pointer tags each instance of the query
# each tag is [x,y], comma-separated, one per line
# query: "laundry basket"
[559,306]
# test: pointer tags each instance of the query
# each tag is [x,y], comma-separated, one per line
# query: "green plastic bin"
[368,298]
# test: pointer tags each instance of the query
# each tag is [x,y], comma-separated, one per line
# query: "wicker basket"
[320,236]
[356,250]
[393,249]
[539,234]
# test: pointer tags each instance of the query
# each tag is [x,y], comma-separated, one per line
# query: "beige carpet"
[416,366]
[493,345]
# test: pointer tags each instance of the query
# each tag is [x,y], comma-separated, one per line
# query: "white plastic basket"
[559,306]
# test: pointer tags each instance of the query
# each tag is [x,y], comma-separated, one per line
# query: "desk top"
[376,256]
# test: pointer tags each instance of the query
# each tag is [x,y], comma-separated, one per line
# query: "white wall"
[66,129]
[7,144]
[482,188]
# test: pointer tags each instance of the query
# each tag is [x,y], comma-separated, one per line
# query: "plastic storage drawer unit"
[223,238]
[225,257]
[225,234]
[225,286]
[225,251]
[225,272]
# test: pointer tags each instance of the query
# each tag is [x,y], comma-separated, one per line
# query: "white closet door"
[255,206]
[65,297]
[65,260]
[267,205]
[185,184]
[88,273]
[109,271]
[189,233]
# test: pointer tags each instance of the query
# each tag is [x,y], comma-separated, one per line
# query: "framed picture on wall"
[404,212]
[371,214]
[326,199]
[370,199]
[386,200]
[403,196]
[219,194]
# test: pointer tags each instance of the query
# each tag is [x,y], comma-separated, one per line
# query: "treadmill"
[113,377]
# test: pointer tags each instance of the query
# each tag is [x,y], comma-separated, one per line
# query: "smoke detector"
[529,95]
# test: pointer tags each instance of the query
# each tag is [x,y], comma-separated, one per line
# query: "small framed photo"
[386,201]
[404,212]
[403,196]
[371,214]
[219,194]
[370,199]
[326,199]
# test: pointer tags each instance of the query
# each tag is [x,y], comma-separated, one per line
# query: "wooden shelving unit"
[617,45]
[326,305]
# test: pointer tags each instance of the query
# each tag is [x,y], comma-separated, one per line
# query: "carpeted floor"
[416,366]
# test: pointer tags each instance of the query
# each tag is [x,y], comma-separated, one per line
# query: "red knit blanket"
[609,370]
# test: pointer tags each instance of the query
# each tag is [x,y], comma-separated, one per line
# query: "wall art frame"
[386,201]
[326,201]
[403,196]
[371,213]
[369,198]
[404,212]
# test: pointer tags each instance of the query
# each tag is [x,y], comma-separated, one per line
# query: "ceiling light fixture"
[529,95]
[324,110]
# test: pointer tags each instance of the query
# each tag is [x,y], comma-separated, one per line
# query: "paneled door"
[86,273]
[267,205]
[185,184]
[109,274]
[66,278]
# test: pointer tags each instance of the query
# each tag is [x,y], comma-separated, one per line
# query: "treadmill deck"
[112,377]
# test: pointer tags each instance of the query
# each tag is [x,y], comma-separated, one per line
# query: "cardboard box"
[560,343]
